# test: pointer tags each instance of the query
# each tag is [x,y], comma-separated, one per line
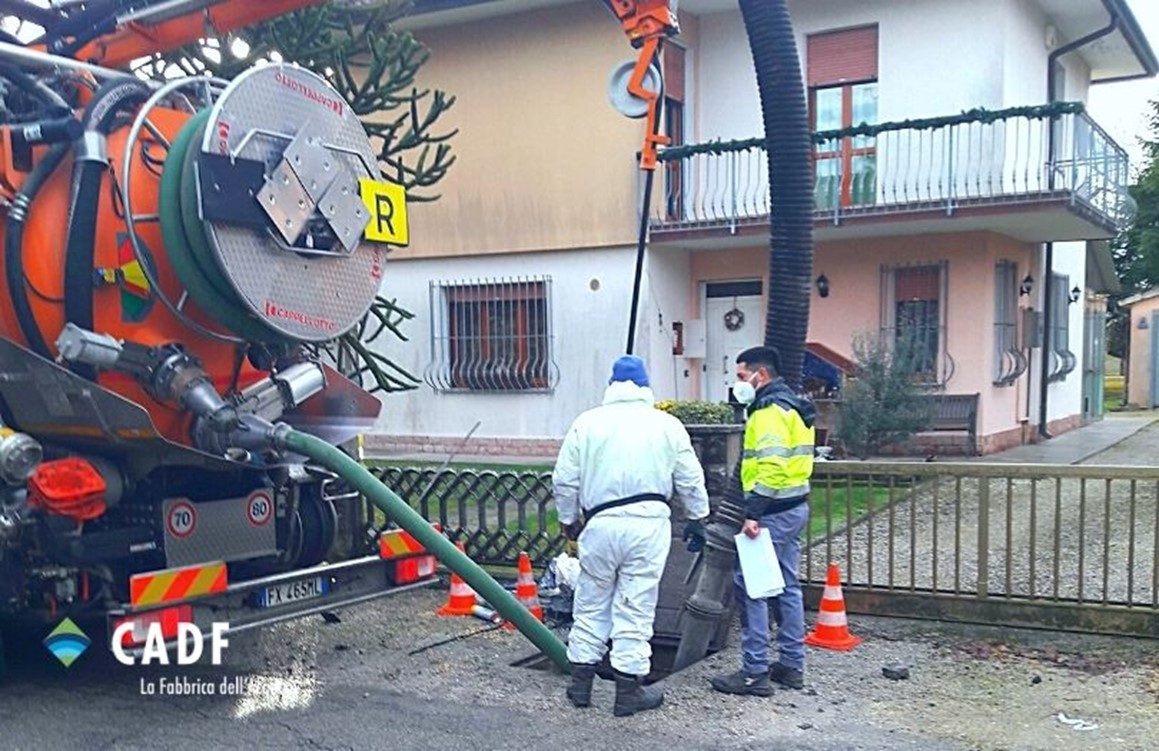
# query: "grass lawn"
[1112,393]
[552,518]
[840,501]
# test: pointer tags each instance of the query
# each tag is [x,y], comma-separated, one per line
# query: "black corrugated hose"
[14,246]
[787,142]
[88,172]
[789,150]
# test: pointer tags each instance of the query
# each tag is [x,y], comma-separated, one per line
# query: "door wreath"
[734,319]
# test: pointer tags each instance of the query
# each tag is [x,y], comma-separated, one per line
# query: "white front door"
[725,341]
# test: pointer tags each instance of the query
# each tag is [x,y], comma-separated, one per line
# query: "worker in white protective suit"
[619,465]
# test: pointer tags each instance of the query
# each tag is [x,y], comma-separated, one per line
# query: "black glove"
[694,536]
[572,531]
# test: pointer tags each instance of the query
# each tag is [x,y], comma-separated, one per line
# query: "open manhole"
[663,659]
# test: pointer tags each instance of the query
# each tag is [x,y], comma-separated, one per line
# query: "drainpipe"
[1048,266]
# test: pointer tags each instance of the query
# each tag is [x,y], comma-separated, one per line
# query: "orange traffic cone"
[462,599]
[526,590]
[832,629]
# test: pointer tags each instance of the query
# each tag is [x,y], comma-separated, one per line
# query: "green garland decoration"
[977,115]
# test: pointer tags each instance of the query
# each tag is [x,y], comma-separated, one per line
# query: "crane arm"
[171,24]
[142,30]
[647,23]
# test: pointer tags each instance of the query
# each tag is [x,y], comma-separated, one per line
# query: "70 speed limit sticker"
[260,509]
[181,521]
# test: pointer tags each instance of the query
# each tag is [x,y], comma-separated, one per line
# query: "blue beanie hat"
[630,368]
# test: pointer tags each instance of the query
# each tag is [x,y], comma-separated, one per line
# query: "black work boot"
[787,676]
[580,690]
[743,684]
[633,696]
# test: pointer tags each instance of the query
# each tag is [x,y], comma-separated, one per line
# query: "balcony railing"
[1025,154]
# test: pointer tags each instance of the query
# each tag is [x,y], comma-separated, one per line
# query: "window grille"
[914,314]
[1062,360]
[1010,361]
[491,335]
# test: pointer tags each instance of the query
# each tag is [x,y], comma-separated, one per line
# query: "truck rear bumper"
[254,603]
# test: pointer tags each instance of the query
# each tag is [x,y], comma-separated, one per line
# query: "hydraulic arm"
[647,23]
[115,33]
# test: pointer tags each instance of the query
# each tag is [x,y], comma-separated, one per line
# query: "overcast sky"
[1121,108]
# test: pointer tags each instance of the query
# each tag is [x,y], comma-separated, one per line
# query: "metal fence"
[496,515]
[1065,547]
[901,169]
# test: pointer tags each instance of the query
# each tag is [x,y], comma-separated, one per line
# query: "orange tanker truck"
[172,256]
[175,258]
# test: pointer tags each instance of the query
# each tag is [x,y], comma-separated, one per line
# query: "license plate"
[283,594]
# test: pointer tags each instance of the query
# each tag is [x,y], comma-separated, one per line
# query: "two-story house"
[983,236]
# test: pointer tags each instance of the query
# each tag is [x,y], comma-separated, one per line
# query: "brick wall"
[441,446]
[1064,425]
[1006,439]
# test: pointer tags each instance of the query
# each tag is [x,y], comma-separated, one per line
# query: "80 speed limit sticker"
[260,509]
[181,521]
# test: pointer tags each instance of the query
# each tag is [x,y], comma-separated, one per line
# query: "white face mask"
[745,392]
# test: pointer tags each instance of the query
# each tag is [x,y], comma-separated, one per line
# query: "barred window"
[491,335]
[913,319]
[1009,360]
[1062,360]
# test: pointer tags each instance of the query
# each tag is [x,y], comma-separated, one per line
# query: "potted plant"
[717,437]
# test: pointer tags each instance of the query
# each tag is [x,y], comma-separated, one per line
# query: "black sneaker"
[743,684]
[787,676]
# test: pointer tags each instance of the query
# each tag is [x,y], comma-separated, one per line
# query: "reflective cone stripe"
[462,598]
[831,619]
[398,542]
[157,587]
[526,590]
[831,630]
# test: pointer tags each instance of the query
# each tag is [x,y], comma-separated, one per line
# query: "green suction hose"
[439,546]
[186,245]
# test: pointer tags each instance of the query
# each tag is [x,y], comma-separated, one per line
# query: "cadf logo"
[67,642]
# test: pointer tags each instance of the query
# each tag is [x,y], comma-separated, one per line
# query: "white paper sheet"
[758,563]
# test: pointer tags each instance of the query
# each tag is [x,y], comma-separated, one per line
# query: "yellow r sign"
[386,203]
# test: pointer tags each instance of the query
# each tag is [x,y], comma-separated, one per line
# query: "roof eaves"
[1126,302]
[1133,33]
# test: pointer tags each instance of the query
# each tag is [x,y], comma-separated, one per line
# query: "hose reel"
[268,199]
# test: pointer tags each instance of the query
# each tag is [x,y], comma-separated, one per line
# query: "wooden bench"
[956,413]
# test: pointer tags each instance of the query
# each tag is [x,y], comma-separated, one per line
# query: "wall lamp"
[1027,283]
[1075,294]
[823,285]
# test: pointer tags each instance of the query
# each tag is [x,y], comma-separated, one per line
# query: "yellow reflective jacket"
[778,450]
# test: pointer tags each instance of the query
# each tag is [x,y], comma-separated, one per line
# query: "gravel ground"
[354,684]
[1041,535]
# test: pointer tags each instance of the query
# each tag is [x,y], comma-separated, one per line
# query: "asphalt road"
[314,685]
[356,685]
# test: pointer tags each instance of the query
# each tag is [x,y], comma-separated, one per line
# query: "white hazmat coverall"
[623,448]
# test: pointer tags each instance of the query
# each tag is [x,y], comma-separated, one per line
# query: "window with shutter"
[491,335]
[913,319]
[842,75]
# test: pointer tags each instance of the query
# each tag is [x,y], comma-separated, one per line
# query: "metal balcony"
[975,171]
